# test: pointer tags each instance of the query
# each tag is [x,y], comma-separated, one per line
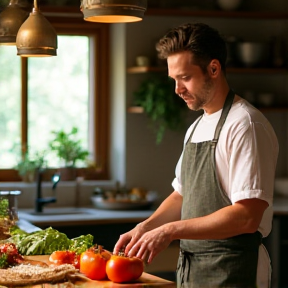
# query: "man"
[222,203]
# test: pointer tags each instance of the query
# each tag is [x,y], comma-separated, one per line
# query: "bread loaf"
[23,274]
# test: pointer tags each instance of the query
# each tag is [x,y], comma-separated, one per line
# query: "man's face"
[191,84]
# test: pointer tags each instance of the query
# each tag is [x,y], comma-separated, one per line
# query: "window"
[53,81]
[39,95]
[10,108]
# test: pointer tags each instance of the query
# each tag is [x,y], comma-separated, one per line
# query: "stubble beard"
[201,98]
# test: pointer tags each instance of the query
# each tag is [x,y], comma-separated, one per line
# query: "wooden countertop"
[146,280]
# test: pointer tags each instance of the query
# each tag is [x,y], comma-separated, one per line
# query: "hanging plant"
[164,108]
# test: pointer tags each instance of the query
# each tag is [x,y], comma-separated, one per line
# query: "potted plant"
[164,108]
[69,150]
[28,164]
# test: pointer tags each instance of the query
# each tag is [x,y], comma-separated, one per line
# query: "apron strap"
[225,111]
[189,139]
[186,259]
[227,105]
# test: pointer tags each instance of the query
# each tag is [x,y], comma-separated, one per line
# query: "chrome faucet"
[41,201]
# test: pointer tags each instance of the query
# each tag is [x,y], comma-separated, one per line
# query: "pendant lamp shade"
[36,37]
[113,11]
[11,18]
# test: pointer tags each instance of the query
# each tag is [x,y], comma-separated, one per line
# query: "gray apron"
[230,262]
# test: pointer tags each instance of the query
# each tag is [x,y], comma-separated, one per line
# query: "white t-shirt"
[246,157]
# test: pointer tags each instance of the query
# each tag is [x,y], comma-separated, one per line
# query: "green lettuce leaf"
[81,243]
[42,242]
[45,242]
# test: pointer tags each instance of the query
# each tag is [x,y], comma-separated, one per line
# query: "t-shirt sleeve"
[176,183]
[252,163]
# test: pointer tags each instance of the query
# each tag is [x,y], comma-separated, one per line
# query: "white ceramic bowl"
[111,204]
[252,54]
[229,5]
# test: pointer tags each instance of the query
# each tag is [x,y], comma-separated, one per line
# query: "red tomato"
[77,261]
[93,263]
[65,257]
[124,269]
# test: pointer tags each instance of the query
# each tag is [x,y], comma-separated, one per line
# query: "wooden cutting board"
[146,280]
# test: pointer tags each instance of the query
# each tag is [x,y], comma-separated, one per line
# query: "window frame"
[99,32]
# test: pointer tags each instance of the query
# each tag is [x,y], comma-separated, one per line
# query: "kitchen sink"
[50,213]
[79,216]
[68,211]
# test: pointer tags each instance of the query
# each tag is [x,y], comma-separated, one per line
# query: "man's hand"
[150,244]
[152,234]
[127,240]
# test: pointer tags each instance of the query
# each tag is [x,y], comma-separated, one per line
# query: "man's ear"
[214,67]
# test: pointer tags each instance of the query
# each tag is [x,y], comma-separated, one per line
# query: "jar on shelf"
[8,212]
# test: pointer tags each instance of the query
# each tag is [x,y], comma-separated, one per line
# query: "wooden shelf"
[230,70]
[139,110]
[145,69]
[60,10]
[135,109]
[244,70]
[276,15]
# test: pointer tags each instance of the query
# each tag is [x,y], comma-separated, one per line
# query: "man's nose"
[179,88]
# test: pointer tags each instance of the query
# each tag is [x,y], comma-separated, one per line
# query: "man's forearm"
[168,211]
[240,218]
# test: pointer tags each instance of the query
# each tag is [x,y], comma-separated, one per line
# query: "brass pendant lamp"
[11,18]
[113,11]
[36,37]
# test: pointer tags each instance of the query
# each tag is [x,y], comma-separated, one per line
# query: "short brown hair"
[204,42]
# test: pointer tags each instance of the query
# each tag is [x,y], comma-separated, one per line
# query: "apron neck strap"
[226,108]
